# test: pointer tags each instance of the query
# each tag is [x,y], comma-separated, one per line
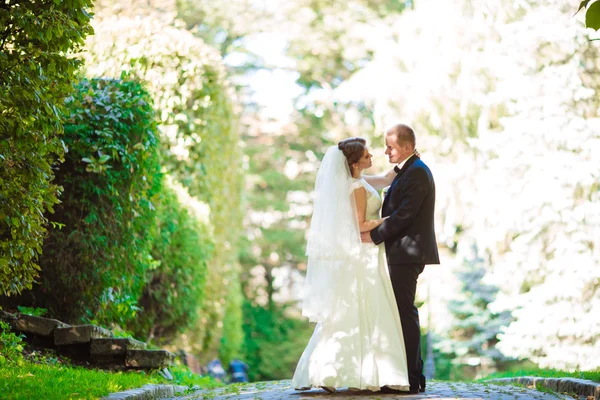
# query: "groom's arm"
[412,196]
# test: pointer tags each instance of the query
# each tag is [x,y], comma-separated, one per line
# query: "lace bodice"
[373,198]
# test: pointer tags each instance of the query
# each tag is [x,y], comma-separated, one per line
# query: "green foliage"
[94,267]
[11,346]
[35,311]
[273,342]
[182,247]
[185,377]
[232,339]
[200,142]
[592,15]
[36,74]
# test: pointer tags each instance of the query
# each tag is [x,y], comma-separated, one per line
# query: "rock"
[37,325]
[580,387]
[7,317]
[79,334]
[149,358]
[114,346]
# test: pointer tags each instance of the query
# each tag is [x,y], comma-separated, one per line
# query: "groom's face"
[396,152]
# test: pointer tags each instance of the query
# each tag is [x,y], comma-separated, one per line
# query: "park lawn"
[547,373]
[28,380]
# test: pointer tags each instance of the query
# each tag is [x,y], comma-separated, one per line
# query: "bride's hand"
[365,237]
[417,153]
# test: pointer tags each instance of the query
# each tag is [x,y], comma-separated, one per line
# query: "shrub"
[94,261]
[36,74]
[11,345]
[182,246]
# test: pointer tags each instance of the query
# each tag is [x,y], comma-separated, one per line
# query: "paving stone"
[147,392]
[114,346]
[149,358]
[280,390]
[37,325]
[79,334]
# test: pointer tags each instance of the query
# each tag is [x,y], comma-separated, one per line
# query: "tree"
[474,335]
[37,71]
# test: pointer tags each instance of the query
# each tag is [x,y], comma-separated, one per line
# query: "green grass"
[26,373]
[29,380]
[547,373]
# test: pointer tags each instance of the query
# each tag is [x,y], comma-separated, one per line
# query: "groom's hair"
[353,149]
[404,134]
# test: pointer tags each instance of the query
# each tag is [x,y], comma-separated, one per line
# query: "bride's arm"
[380,181]
[364,225]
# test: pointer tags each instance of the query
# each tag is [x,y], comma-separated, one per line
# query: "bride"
[358,341]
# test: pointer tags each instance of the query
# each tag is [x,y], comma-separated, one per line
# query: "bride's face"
[365,161]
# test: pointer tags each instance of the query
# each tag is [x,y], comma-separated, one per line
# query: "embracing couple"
[363,269]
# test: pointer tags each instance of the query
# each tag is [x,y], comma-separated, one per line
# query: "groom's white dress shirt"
[399,166]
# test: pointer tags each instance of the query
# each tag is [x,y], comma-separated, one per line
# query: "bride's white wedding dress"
[364,347]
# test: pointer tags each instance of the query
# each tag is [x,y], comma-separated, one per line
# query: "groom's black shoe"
[388,390]
[422,384]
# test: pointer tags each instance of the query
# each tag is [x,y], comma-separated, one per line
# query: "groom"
[409,237]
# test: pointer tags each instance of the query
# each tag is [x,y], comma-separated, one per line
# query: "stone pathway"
[277,390]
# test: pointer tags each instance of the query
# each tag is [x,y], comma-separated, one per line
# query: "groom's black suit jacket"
[409,233]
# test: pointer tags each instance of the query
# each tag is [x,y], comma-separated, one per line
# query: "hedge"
[95,259]
[181,247]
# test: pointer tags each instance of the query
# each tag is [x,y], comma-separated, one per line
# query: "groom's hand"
[365,237]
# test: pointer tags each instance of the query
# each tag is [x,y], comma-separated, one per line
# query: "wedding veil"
[333,243]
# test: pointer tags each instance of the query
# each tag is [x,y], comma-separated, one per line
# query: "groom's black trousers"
[404,281]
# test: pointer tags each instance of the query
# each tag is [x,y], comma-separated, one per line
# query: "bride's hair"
[353,149]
